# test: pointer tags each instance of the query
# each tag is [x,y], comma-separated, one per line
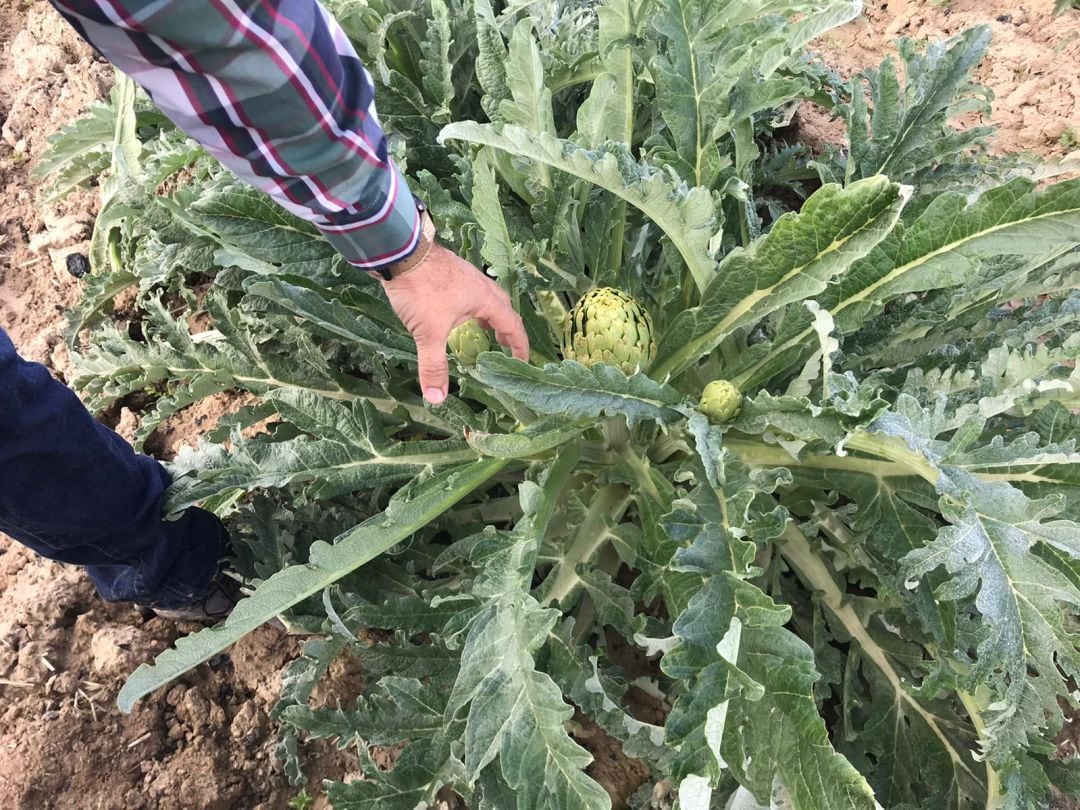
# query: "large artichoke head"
[609,326]
[720,401]
[468,341]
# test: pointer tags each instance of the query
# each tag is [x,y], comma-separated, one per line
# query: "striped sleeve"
[274,90]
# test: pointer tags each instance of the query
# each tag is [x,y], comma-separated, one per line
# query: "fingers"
[434,367]
[508,326]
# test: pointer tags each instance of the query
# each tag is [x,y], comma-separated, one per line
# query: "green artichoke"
[467,341]
[720,401]
[608,326]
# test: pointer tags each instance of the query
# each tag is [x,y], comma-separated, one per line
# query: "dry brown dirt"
[207,743]
[1031,66]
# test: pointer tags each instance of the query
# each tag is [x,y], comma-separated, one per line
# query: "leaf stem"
[759,454]
[993,781]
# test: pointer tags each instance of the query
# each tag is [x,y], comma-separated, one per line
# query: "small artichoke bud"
[609,326]
[468,341]
[720,401]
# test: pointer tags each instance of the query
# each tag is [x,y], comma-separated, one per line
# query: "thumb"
[434,367]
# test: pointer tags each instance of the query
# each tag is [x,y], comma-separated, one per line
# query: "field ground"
[207,743]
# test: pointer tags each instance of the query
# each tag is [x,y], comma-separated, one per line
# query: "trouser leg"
[74,491]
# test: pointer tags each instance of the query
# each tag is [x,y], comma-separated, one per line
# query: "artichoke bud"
[720,401]
[468,341]
[609,326]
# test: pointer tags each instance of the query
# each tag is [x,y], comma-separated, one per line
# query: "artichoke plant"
[720,401]
[468,341]
[609,326]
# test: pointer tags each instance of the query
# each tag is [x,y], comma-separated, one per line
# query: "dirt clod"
[115,650]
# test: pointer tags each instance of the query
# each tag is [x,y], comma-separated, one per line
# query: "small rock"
[898,25]
[1021,95]
[196,712]
[77,264]
[31,59]
[115,650]
[32,667]
[61,232]
[1055,129]
[64,684]
[248,724]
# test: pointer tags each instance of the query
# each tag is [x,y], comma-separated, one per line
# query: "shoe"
[218,603]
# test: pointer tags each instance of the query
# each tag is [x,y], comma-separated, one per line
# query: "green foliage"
[858,589]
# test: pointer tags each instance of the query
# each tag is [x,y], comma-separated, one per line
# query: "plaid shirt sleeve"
[274,90]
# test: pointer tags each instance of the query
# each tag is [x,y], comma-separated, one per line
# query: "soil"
[1030,66]
[207,742]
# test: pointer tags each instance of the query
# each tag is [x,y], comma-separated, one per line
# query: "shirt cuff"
[383,234]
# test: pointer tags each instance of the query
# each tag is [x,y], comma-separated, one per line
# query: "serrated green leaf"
[412,508]
[348,450]
[1024,601]
[684,214]
[909,136]
[515,712]
[539,437]
[711,50]
[942,248]
[571,390]
[794,261]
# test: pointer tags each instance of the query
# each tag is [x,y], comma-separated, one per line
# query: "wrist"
[419,254]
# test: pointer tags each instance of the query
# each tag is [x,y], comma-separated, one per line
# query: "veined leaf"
[491,57]
[986,550]
[712,50]
[411,509]
[794,261]
[78,152]
[498,249]
[516,712]
[782,736]
[416,778]
[608,113]
[685,215]
[436,65]
[530,104]
[249,225]
[337,319]
[351,452]
[403,708]
[539,437]
[563,582]
[909,137]
[240,354]
[898,724]
[571,390]
[942,248]
[580,677]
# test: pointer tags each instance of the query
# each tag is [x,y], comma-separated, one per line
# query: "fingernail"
[434,395]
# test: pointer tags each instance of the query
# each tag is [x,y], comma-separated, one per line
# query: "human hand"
[444,291]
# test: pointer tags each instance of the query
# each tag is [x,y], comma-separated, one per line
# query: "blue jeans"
[74,491]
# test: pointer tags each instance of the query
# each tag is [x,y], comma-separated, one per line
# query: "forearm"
[275,91]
